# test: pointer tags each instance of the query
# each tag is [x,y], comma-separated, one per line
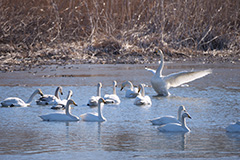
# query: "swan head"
[184,115]
[123,85]
[101,100]
[140,86]
[99,84]
[115,83]
[70,101]
[60,90]
[39,91]
[126,83]
[182,108]
[158,52]
[70,92]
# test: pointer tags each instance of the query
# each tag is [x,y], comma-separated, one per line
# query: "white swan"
[161,83]
[95,117]
[142,99]
[49,99]
[176,127]
[67,116]
[169,119]
[112,98]
[17,102]
[93,101]
[63,102]
[234,127]
[132,92]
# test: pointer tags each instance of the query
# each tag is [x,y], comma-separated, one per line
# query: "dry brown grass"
[87,31]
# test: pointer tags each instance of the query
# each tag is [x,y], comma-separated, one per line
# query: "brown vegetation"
[104,31]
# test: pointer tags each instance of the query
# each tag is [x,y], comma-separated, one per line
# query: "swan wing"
[148,100]
[132,93]
[150,70]
[112,98]
[140,100]
[93,101]
[53,102]
[176,79]
[164,120]
[13,102]
[58,106]
[91,117]
[48,100]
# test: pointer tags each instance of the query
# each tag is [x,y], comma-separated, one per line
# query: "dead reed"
[103,31]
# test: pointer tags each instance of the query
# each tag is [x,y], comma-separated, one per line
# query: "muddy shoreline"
[10,64]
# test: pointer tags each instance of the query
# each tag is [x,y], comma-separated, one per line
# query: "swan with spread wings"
[161,83]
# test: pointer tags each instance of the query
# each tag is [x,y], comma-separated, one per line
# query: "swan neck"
[57,93]
[99,91]
[130,85]
[67,111]
[100,105]
[179,115]
[160,67]
[31,97]
[183,122]
[114,89]
[69,95]
[143,91]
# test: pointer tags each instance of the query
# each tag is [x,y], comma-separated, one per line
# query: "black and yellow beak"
[139,89]
[121,88]
[40,92]
[75,104]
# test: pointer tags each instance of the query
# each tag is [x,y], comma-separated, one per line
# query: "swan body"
[169,119]
[93,101]
[234,127]
[176,127]
[95,117]
[17,102]
[161,83]
[67,116]
[132,92]
[63,103]
[142,99]
[48,99]
[112,98]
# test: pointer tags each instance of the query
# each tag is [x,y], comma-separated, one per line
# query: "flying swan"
[112,98]
[132,92]
[234,127]
[169,119]
[49,99]
[176,127]
[142,99]
[67,116]
[93,101]
[63,103]
[161,83]
[95,117]
[17,102]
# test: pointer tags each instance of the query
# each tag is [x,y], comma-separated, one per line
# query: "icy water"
[213,103]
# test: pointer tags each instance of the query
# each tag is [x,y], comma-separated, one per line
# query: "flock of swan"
[160,84]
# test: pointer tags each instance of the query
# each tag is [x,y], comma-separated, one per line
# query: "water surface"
[213,103]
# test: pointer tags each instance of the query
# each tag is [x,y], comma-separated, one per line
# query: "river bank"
[13,61]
